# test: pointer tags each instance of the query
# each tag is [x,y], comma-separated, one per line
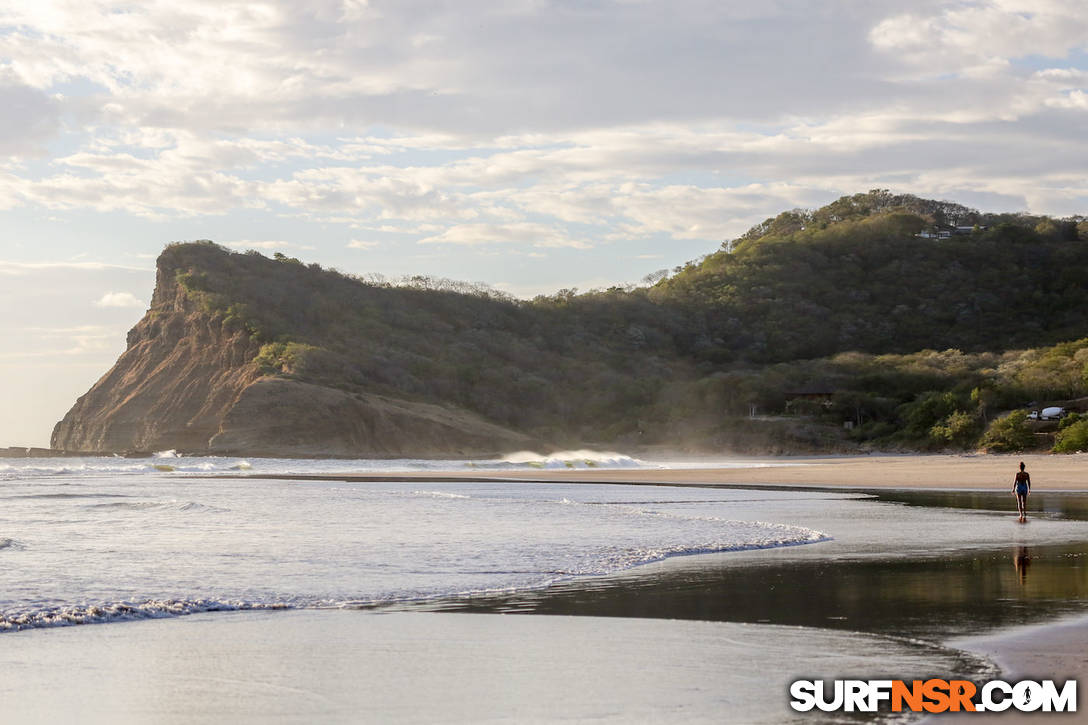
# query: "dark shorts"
[1021,489]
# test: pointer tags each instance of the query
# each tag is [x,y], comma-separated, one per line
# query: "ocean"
[105,539]
[208,593]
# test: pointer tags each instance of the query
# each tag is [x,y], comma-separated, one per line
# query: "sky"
[529,144]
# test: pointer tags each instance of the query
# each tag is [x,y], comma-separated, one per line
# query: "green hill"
[812,319]
[856,275]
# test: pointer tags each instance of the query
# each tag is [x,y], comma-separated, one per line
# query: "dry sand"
[1048,472]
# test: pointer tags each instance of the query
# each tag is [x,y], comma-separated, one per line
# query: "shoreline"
[1056,650]
[348,667]
[1050,473]
[938,472]
[1051,650]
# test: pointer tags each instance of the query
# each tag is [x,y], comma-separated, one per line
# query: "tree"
[1048,228]
[1073,436]
[1009,434]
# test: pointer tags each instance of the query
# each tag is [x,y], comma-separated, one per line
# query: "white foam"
[123,612]
[159,545]
[171,463]
[172,505]
[736,536]
[441,494]
[582,458]
[742,536]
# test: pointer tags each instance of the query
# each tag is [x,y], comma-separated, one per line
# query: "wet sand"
[1056,651]
[986,594]
[337,666]
[1053,651]
[1043,649]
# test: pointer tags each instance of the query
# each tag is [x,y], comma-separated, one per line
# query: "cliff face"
[179,376]
[188,380]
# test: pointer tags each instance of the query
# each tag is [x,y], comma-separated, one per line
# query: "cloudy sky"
[529,144]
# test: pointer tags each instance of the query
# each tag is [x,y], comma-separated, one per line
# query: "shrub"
[1009,434]
[286,358]
[959,429]
[1070,419]
[192,281]
[927,411]
[1072,438]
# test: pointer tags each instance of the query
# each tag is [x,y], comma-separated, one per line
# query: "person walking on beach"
[1021,485]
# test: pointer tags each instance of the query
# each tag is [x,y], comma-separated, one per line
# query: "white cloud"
[120,299]
[430,121]
[28,267]
[1064,76]
[537,235]
[31,117]
[265,244]
[54,331]
[360,244]
[981,38]
[1075,99]
[410,64]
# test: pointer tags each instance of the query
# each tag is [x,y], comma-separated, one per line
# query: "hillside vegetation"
[855,275]
[847,302]
[559,369]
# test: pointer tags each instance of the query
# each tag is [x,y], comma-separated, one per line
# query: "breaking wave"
[566,459]
[105,547]
[173,463]
[67,616]
[156,506]
[734,536]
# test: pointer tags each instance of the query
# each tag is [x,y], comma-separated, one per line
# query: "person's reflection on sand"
[1022,561]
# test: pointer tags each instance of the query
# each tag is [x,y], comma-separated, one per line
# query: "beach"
[1057,650]
[1053,649]
[348,667]
[979,471]
[250,593]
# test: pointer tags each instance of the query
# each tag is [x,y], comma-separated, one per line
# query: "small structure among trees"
[808,397]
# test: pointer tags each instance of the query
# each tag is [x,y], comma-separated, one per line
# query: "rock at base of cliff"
[276,417]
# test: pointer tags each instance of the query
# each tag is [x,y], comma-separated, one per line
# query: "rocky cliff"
[240,353]
[190,380]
